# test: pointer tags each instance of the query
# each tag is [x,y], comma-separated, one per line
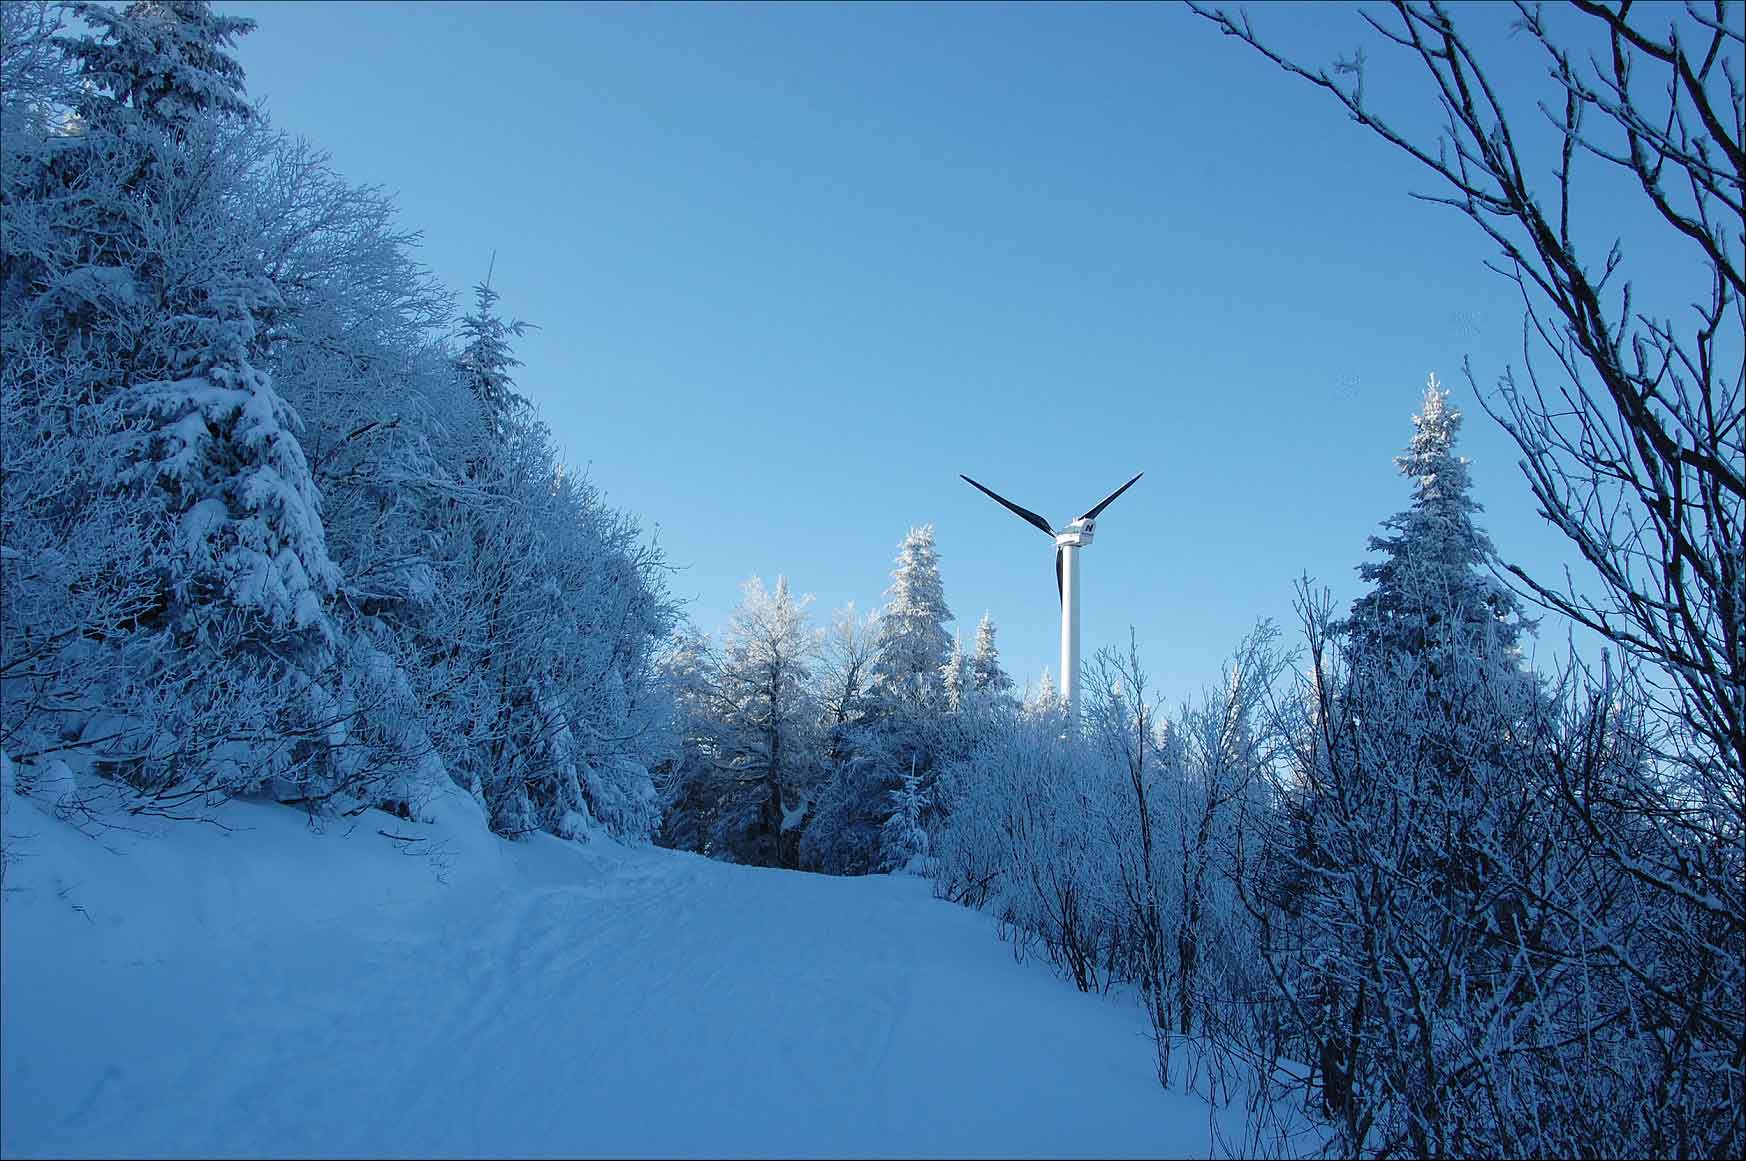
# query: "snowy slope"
[273,990]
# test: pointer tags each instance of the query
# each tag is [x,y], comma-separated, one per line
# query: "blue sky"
[796,267]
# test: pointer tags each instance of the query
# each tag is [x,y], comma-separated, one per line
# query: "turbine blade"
[1060,589]
[1109,499]
[1022,513]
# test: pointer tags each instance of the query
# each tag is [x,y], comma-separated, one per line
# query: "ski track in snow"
[281,992]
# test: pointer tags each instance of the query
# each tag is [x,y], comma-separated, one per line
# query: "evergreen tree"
[217,443]
[162,64]
[904,841]
[957,679]
[990,677]
[180,585]
[131,273]
[913,643]
[1414,816]
[211,434]
[902,725]
[487,360]
[1044,702]
[1432,589]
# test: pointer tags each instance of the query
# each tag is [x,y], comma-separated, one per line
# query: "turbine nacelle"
[1076,535]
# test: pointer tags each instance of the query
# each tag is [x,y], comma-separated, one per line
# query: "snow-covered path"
[274,991]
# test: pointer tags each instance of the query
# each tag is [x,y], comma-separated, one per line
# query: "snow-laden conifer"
[990,677]
[487,360]
[913,642]
[162,64]
[1434,588]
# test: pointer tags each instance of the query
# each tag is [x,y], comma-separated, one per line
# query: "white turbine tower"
[1068,542]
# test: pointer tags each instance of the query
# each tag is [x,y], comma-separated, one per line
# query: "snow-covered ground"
[274,990]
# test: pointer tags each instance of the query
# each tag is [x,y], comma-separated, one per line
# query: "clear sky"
[795,267]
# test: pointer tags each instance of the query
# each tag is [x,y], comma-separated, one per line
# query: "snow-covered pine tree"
[487,359]
[977,703]
[244,569]
[957,680]
[219,444]
[1433,589]
[1414,814]
[990,677]
[902,721]
[904,841]
[913,642]
[131,266]
[1044,702]
[162,64]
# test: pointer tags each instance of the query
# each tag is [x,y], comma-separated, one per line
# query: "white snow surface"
[274,989]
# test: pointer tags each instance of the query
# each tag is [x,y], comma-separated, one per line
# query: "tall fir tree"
[900,729]
[1414,816]
[212,436]
[1432,589]
[487,360]
[985,663]
[913,642]
[1044,701]
[956,678]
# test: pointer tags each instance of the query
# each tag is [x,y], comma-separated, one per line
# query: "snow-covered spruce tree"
[161,64]
[136,271]
[1396,917]
[1044,702]
[904,840]
[1391,905]
[487,359]
[913,642]
[1434,589]
[217,441]
[977,703]
[957,681]
[901,721]
[990,677]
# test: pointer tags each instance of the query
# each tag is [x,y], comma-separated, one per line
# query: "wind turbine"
[1068,542]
